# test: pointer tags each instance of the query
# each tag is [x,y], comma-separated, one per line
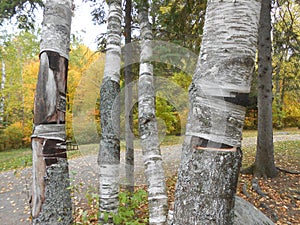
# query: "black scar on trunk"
[54,149]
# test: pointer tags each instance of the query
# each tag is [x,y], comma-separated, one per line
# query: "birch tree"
[2,98]
[51,200]
[211,157]
[109,154]
[148,132]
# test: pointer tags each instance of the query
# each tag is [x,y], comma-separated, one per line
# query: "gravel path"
[15,186]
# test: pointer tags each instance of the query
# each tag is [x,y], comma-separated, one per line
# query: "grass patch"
[284,131]
[286,153]
[15,159]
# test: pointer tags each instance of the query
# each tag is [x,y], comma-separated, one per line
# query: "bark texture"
[57,17]
[223,75]
[207,184]
[109,154]
[2,98]
[211,155]
[264,165]
[157,195]
[129,136]
[51,200]
[246,213]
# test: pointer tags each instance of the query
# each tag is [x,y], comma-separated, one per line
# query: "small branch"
[287,171]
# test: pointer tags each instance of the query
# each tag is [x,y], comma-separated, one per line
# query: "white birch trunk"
[109,154]
[2,100]
[211,155]
[157,195]
[51,200]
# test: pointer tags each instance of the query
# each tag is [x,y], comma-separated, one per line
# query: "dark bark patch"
[204,143]
[53,60]
[52,151]
[241,99]
[109,95]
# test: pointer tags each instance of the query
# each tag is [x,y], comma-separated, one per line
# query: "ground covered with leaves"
[278,198]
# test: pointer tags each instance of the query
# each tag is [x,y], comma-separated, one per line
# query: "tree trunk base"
[260,173]
[244,213]
[56,193]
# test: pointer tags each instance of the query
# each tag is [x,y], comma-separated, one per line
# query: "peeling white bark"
[50,131]
[211,155]
[228,48]
[113,47]
[38,171]
[57,17]
[109,154]
[157,195]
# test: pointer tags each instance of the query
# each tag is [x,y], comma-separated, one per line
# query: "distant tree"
[18,52]
[211,157]
[286,52]
[22,9]
[264,165]
[51,198]
[180,22]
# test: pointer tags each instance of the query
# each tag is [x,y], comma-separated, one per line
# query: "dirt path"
[15,185]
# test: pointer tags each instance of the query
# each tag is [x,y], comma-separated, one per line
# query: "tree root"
[248,170]
[272,213]
[287,171]
[245,192]
[257,188]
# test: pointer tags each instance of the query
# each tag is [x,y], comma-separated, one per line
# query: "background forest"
[178,22]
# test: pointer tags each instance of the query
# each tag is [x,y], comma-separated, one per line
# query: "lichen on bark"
[148,131]
[109,153]
[56,205]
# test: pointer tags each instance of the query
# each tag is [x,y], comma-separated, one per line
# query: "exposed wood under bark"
[51,201]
